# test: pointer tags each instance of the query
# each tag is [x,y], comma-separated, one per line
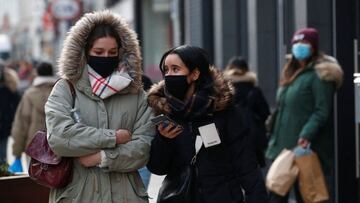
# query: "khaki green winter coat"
[119,181]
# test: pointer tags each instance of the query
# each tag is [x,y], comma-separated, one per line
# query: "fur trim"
[224,92]
[235,76]
[40,80]
[328,69]
[72,60]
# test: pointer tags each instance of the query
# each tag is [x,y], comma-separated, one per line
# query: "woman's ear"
[195,74]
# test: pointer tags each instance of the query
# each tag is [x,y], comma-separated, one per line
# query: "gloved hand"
[300,151]
[16,166]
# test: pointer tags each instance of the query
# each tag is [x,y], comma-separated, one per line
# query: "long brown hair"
[292,68]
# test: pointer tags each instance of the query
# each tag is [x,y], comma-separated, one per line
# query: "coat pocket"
[66,195]
[138,185]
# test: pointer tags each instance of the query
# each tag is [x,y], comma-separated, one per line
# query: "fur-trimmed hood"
[41,80]
[72,59]
[236,75]
[328,69]
[224,92]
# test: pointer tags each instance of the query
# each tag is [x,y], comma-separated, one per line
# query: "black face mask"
[177,85]
[104,66]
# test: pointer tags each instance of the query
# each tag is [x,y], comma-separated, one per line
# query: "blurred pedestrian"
[9,100]
[110,134]
[194,95]
[251,99]
[305,105]
[144,172]
[26,74]
[30,115]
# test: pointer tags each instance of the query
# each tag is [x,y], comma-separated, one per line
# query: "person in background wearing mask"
[305,105]
[111,139]
[193,94]
[251,98]
[10,98]
[30,115]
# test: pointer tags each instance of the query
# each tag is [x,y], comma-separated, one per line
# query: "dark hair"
[102,30]
[238,62]
[193,57]
[44,69]
[2,67]
[147,83]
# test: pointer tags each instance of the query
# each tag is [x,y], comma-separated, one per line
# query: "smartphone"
[162,119]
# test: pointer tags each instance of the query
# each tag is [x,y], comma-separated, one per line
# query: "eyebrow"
[101,48]
[172,65]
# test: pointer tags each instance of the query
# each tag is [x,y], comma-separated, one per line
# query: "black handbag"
[270,121]
[178,187]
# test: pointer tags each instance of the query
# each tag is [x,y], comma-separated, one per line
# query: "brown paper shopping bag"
[282,173]
[311,179]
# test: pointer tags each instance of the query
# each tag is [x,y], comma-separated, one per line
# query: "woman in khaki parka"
[111,140]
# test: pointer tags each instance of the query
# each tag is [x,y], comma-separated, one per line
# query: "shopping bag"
[311,178]
[282,173]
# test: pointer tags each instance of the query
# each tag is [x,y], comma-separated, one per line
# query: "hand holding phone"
[162,119]
[165,130]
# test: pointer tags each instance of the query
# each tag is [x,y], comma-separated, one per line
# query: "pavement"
[154,186]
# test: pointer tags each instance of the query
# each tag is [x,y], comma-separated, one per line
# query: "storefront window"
[156,35]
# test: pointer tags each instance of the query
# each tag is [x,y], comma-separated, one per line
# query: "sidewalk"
[154,186]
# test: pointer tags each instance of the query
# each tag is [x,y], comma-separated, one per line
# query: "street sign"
[65,9]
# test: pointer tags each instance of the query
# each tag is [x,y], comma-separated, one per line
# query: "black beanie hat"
[44,69]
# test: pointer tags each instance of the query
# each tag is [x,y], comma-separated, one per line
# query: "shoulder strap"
[73,94]
[72,90]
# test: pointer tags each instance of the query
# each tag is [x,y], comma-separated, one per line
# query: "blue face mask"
[301,51]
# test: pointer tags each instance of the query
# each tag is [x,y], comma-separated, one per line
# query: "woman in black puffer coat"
[193,95]
[250,97]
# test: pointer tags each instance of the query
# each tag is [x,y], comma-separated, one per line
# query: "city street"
[297,61]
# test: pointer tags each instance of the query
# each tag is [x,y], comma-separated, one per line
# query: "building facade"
[261,31]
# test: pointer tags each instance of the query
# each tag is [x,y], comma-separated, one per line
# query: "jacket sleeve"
[134,154]
[260,105]
[323,92]
[244,159]
[161,155]
[65,136]
[20,127]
